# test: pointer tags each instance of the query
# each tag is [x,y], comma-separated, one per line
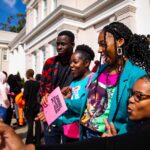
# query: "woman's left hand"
[66,92]
[111,130]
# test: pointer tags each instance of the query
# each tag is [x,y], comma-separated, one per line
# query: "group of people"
[21,101]
[110,108]
[10,87]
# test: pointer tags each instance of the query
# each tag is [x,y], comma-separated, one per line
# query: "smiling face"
[139,102]
[109,52]
[78,66]
[64,46]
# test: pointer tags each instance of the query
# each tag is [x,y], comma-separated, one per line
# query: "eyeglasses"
[139,96]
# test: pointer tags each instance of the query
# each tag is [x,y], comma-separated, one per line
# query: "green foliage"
[14,23]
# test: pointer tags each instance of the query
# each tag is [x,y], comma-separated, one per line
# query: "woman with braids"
[126,60]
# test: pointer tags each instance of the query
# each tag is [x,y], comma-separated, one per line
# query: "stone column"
[21,59]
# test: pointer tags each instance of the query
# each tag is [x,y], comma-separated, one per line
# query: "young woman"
[80,62]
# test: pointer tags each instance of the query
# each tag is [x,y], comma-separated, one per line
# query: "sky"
[10,8]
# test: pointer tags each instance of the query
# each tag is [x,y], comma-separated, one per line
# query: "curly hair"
[135,47]
[138,51]
[86,52]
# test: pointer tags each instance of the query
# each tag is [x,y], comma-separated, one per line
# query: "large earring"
[119,51]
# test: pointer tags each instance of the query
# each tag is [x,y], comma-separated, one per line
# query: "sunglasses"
[139,96]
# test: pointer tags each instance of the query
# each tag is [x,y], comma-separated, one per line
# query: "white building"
[5,38]
[85,18]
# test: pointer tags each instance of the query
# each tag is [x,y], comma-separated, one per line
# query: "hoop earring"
[119,51]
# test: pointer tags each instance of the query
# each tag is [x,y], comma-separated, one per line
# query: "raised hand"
[44,100]
[66,92]
[10,140]
[111,130]
[40,116]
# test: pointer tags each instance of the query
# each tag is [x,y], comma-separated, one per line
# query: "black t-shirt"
[64,76]
[137,140]
[31,90]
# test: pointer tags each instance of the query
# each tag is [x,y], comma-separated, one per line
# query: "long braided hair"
[135,47]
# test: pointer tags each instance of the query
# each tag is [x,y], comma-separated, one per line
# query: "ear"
[87,63]
[120,42]
[72,44]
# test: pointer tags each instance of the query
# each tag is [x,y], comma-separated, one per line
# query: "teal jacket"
[118,109]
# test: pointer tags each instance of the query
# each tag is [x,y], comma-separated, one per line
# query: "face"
[109,53]
[139,102]
[78,66]
[64,46]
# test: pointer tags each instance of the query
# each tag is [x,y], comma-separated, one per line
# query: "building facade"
[85,18]
[5,38]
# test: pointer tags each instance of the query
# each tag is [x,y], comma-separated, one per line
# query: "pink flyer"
[56,106]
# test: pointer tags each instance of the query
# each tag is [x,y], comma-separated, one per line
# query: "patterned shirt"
[51,75]
[98,103]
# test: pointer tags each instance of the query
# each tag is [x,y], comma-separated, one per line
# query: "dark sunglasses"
[139,96]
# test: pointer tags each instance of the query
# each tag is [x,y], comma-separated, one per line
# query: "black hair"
[38,77]
[67,33]
[138,51]
[86,52]
[146,78]
[14,82]
[118,30]
[5,73]
[135,47]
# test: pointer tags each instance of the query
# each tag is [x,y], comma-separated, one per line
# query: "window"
[36,15]
[54,4]
[4,54]
[43,54]
[34,61]
[53,44]
[44,8]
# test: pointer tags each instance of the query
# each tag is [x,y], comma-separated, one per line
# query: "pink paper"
[56,106]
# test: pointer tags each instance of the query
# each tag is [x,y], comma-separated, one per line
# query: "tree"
[14,23]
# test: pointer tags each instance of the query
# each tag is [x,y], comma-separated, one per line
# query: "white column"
[38,62]
[41,59]
[50,50]
[28,14]
[15,62]
[48,6]
[21,57]
[30,61]
[1,59]
[40,11]
[11,61]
